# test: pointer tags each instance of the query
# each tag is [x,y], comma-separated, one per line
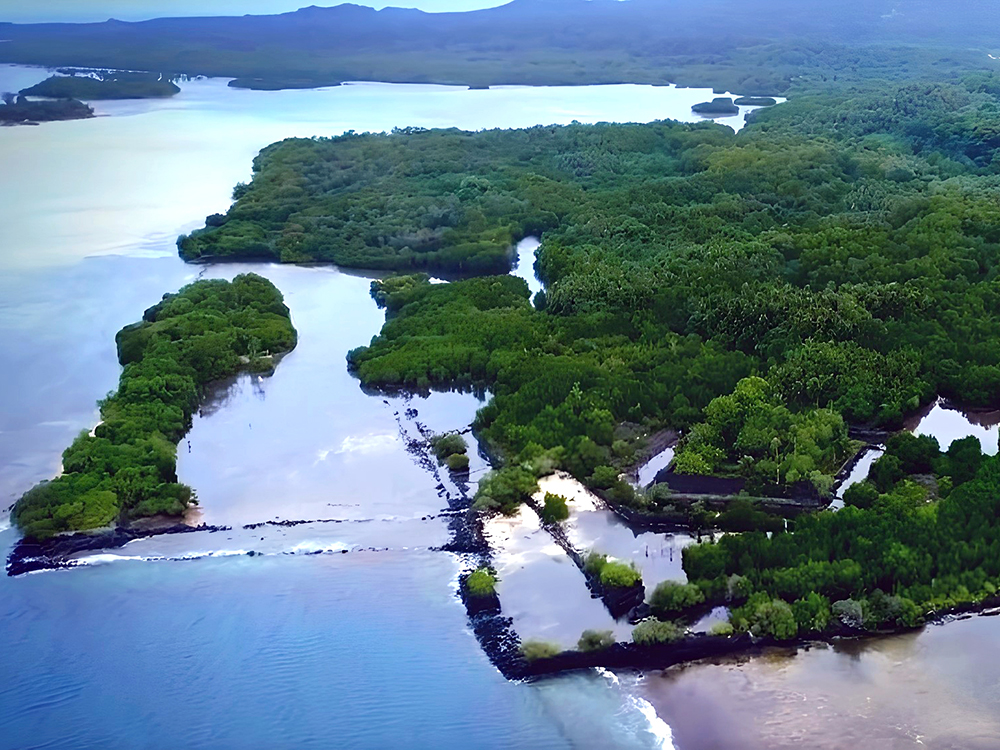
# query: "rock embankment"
[57,552]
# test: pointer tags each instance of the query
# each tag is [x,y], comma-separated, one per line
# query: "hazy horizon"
[88,11]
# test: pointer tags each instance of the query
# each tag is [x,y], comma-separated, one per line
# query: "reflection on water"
[949,425]
[592,526]
[648,471]
[540,587]
[525,265]
[924,690]
[307,441]
[717,616]
[858,474]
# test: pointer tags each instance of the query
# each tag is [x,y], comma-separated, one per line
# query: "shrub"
[604,477]
[774,619]
[850,612]
[622,493]
[652,632]
[812,612]
[534,650]
[481,583]
[861,495]
[619,575]
[505,489]
[448,445]
[741,515]
[555,509]
[721,629]
[594,562]
[457,462]
[670,597]
[595,640]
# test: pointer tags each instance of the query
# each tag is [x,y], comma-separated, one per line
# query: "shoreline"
[699,647]
[266,84]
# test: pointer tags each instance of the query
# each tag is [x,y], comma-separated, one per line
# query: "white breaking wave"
[108,557]
[609,675]
[657,726]
[213,553]
[310,546]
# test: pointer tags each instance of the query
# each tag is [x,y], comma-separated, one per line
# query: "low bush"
[653,632]
[481,583]
[721,629]
[595,640]
[618,575]
[457,462]
[555,509]
[534,650]
[671,597]
[448,444]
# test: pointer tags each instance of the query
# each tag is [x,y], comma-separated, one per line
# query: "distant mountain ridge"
[524,41]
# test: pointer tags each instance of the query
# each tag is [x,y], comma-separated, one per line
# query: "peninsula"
[125,468]
[18,110]
[103,86]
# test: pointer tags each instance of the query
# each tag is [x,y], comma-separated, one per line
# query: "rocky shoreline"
[28,556]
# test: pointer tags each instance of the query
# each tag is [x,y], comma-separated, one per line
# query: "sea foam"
[657,726]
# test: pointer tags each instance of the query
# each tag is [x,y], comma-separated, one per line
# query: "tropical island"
[721,106]
[125,468]
[96,86]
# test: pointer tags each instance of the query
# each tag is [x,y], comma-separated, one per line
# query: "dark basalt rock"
[55,553]
[634,656]
[621,601]
[478,605]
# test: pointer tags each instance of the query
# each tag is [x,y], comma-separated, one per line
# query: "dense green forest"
[921,534]
[833,264]
[766,47]
[126,468]
[842,249]
[104,86]
[750,432]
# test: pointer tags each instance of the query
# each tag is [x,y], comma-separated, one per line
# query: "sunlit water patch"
[592,526]
[540,588]
[948,425]
[648,471]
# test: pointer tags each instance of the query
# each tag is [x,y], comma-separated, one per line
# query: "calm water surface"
[187,642]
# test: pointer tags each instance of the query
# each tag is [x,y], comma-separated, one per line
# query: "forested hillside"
[764,47]
[126,467]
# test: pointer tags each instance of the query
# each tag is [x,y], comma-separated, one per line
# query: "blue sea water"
[319,651]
